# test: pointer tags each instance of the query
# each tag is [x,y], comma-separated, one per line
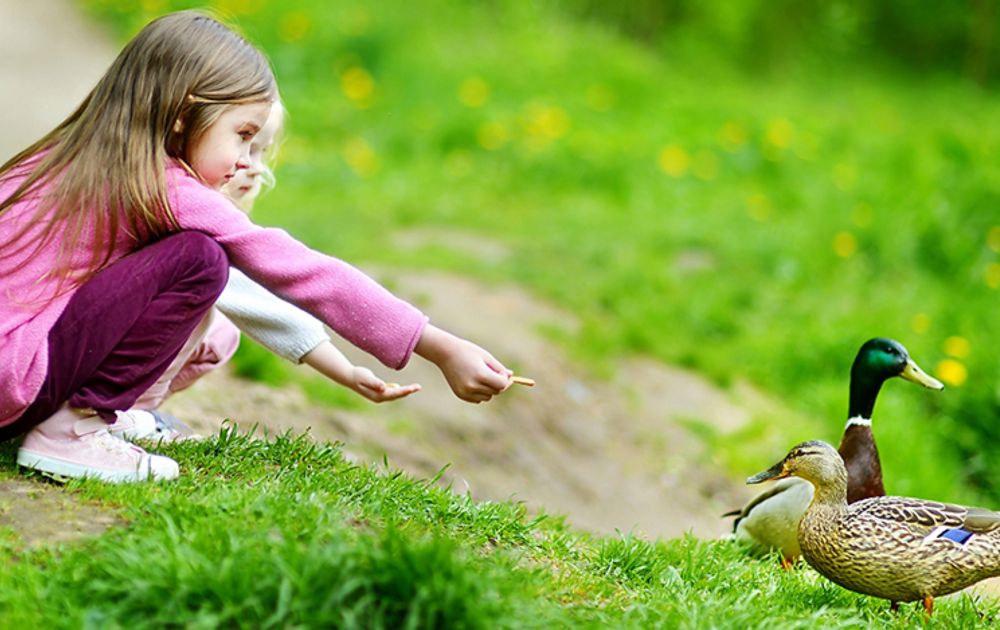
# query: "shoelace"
[115,444]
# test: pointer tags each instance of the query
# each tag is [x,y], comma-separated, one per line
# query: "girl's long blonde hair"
[102,170]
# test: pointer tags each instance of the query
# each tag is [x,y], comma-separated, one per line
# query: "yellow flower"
[357,85]
[844,176]
[993,238]
[957,346]
[235,7]
[779,133]
[993,275]
[474,92]
[550,122]
[294,26]
[674,161]
[758,207]
[360,156]
[844,244]
[732,136]
[920,323]
[952,372]
[492,135]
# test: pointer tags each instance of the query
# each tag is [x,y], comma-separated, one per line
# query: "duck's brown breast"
[864,468]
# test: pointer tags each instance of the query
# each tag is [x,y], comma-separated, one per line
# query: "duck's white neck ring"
[858,421]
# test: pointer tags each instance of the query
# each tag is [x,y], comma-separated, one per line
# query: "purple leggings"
[123,327]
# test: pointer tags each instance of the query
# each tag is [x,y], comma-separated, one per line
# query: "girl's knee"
[202,248]
[203,258]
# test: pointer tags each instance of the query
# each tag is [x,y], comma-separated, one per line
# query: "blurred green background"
[746,188]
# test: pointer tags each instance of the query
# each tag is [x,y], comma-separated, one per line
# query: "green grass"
[285,533]
[738,225]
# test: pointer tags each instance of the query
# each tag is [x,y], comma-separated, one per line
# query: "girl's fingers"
[385,392]
[395,391]
[492,380]
[496,366]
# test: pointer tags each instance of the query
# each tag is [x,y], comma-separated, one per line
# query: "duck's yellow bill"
[914,374]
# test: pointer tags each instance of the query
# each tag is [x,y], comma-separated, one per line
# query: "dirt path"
[610,454]
[50,57]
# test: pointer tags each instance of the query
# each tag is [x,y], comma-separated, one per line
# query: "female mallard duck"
[771,519]
[895,548]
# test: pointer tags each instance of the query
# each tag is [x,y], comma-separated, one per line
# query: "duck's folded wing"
[776,489]
[927,514]
[980,520]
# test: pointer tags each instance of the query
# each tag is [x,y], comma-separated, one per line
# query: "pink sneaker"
[68,445]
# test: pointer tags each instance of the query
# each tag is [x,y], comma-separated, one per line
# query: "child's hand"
[332,363]
[473,374]
[364,381]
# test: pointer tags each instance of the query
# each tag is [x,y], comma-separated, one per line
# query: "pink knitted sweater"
[340,295]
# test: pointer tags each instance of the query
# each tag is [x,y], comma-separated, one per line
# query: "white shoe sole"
[155,467]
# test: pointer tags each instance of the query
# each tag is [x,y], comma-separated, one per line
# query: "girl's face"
[224,149]
[245,185]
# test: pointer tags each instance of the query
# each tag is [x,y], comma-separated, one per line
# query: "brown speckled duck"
[770,520]
[896,548]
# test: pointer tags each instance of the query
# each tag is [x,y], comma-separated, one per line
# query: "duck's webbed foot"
[786,563]
[929,604]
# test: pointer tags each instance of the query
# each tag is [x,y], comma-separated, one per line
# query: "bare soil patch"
[43,514]
[610,454]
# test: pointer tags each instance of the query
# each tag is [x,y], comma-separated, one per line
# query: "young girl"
[247,307]
[115,242]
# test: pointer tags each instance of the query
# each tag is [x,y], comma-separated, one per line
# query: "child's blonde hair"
[106,162]
[265,178]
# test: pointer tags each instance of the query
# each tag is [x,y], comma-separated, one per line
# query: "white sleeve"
[279,326]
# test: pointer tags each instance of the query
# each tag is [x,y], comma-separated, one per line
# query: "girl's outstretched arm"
[331,362]
[473,373]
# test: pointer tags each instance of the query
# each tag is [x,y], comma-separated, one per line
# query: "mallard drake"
[770,520]
[896,548]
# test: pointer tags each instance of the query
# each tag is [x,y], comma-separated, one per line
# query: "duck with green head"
[896,548]
[770,520]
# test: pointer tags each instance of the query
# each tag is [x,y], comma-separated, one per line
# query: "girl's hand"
[473,374]
[332,363]
[364,382]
